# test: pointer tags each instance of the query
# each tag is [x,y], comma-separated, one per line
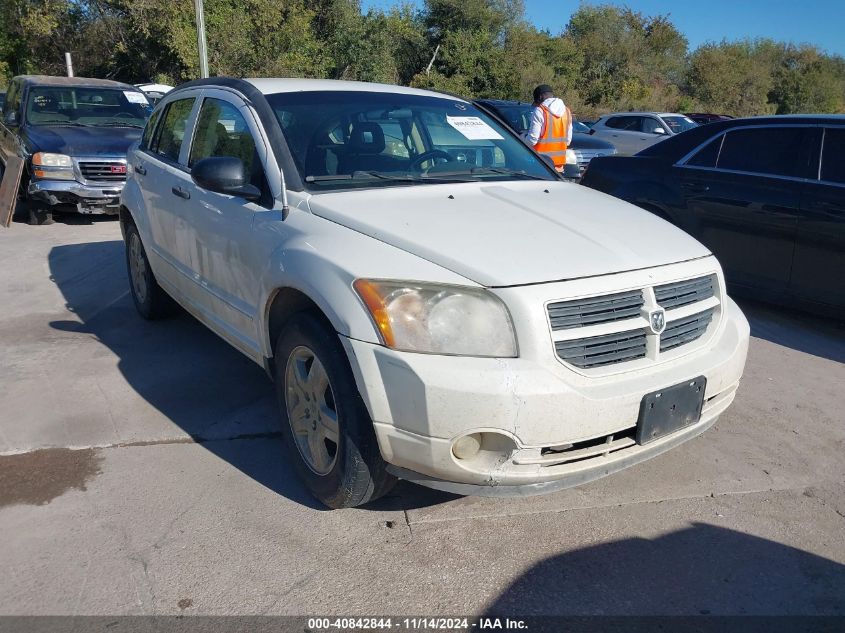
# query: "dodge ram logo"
[118,169]
[657,320]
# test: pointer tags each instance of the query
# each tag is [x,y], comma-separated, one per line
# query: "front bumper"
[421,404]
[87,199]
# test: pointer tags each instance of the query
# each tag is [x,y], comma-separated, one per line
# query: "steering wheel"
[434,153]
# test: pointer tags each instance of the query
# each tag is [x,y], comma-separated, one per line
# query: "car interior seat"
[364,151]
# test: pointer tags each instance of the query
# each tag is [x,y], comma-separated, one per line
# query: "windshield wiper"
[116,124]
[59,122]
[378,175]
[477,171]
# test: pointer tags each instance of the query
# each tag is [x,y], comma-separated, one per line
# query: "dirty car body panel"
[605,302]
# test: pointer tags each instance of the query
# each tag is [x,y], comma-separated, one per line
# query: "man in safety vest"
[551,126]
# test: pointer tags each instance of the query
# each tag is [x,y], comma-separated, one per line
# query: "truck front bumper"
[74,196]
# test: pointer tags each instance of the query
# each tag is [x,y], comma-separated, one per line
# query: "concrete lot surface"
[140,518]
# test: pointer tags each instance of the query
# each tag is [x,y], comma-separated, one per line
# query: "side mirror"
[659,130]
[11,118]
[224,174]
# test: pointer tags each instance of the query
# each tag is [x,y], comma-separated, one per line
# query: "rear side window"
[170,134]
[630,123]
[707,155]
[776,151]
[833,163]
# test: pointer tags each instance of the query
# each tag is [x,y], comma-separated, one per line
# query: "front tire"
[328,429]
[150,300]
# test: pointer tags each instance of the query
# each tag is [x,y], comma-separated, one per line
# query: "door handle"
[695,187]
[141,169]
[178,191]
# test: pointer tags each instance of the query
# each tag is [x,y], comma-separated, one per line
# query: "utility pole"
[203,49]
[69,63]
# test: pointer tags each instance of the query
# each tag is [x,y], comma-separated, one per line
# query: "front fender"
[322,259]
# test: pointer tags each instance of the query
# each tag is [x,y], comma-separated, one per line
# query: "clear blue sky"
[819,22]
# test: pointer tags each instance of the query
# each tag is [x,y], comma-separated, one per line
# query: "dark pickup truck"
[73,134]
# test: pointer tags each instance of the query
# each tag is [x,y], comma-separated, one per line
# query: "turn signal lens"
[376,305]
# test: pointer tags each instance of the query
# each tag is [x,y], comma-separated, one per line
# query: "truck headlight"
[44,159]
[52,166]
[571,157]
[439,319]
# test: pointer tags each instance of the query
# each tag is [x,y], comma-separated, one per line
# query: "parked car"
[153,91]
[703,118]
[431,300]
[765,195]
[73,134]
[517,115]
[631,132]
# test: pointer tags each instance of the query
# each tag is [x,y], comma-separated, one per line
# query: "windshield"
[73,105]
[579,127]
[342,139]
[679,124]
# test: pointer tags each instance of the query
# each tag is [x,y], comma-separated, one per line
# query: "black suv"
[73,134]
[517,116]
[766,195]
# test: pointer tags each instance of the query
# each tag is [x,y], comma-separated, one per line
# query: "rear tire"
[328,429]
[150,300]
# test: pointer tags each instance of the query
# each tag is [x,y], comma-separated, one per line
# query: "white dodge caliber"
[432,302]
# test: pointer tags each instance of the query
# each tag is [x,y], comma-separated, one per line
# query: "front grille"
[584,156]
[103,171]
[605,309]
[597,351]
[605,330]
[685,330]
[682,293]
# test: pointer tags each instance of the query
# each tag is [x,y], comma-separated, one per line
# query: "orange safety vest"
[552,139]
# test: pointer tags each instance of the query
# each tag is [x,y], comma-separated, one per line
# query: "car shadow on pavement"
[803,332]
[197,381]
[701,570]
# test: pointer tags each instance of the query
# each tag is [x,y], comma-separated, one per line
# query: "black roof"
[87,82]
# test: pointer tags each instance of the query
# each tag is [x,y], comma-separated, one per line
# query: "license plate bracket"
[670,409]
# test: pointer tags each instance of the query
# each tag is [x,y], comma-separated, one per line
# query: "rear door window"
[775,151]
[627,123]
[707,155]
[170,135]
[833,156]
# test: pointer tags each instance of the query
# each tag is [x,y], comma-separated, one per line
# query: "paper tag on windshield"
[473,128]
[135,97]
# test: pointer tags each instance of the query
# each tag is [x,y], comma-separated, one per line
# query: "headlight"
[439,319]
[43,159]
[571,157]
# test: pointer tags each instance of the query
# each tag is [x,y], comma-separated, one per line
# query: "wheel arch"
[282,304]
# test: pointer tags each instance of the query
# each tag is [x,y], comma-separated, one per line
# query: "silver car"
[631,132]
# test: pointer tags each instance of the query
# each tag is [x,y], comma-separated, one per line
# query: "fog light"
[467,446]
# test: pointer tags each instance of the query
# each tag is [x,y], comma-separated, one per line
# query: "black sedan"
[517,116]
[766,195]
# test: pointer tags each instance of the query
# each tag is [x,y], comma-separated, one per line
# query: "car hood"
[512,233]
[586,141]
[81,141]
